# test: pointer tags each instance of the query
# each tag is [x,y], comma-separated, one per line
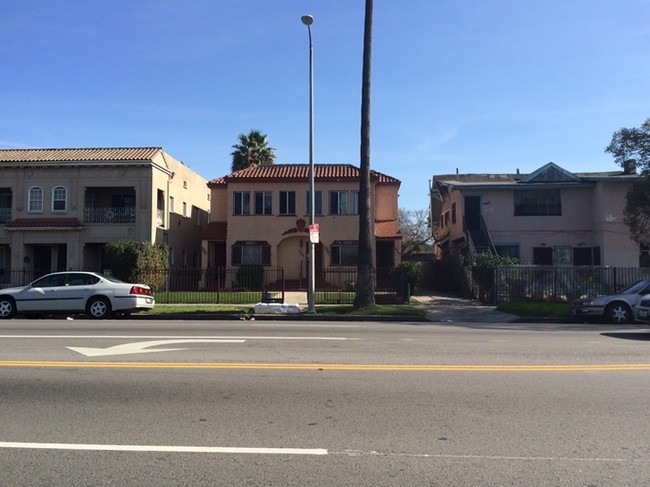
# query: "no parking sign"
[313,233]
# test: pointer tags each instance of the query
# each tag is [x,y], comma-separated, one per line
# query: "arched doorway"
[292,257]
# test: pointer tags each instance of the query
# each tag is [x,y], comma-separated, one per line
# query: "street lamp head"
[307,20]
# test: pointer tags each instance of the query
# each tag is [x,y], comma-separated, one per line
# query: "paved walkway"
[451,309]
[440,308]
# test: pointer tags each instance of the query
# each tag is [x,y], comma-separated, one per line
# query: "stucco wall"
[143,178]
[592,216]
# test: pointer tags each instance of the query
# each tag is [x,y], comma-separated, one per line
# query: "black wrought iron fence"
[248,284]
[337,285]
[516,283]
[236,285]
[19,277]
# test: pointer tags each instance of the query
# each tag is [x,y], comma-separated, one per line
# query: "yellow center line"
[346,367]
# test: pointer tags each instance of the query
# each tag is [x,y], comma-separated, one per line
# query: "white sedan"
[642,311]
[90,293]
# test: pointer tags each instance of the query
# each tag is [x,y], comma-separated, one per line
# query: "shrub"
[137,262]
[483,272]
[412,271]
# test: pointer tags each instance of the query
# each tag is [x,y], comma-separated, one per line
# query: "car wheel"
[7,308]
[618,313]
[98,308]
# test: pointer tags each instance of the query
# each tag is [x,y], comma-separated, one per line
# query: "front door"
[292,257]
[473,212]
[42,260]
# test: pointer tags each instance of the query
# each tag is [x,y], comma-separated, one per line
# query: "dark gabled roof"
[104,154]
[550,173]
[300,172]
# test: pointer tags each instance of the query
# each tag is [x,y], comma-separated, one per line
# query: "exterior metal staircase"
[479,240]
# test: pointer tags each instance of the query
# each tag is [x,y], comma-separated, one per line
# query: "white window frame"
[354,202]
[287,202]
[341,207]
[243,200]
[35,200]
[266,200]
[55,199]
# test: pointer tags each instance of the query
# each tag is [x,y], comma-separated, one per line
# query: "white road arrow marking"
[141,347]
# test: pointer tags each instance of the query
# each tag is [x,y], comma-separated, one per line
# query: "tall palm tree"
[365,293]
[253,150]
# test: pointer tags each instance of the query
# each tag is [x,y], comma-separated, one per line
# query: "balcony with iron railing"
[109,215]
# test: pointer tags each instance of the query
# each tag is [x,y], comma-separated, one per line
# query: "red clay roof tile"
[79,155]
[300,172]
[388,229]
[45,223]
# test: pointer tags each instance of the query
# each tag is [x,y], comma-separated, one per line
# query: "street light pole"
[311,277]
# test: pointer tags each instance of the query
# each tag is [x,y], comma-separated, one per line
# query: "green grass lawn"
[228,309]
[537,308]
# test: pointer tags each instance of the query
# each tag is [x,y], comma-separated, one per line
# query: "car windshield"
[635,288]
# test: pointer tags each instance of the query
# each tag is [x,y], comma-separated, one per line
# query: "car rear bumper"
[134,303]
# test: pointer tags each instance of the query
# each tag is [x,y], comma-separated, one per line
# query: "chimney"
[629,166]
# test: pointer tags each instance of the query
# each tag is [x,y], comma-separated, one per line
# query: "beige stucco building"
[548,217]
[58,207]
[260,215]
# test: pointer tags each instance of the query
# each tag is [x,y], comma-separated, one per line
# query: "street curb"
[279,317]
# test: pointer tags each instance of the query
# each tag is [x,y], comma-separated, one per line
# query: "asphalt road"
[257,403]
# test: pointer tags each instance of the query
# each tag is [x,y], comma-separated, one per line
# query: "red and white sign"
[313,233]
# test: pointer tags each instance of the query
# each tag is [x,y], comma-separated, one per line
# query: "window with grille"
[545,202]
[345,252]
[251,253]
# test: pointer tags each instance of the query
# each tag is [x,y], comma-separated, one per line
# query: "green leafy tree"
[252,150]
[632,146]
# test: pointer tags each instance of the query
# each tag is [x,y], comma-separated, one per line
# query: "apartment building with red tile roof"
[58,207]
[260,216]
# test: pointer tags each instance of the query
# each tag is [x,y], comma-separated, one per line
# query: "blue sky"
[468,85]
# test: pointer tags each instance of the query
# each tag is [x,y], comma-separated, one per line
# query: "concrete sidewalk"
[440,308]
[450,309]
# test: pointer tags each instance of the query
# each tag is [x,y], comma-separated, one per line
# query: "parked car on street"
[642,311]
[96,295]
[615,308]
